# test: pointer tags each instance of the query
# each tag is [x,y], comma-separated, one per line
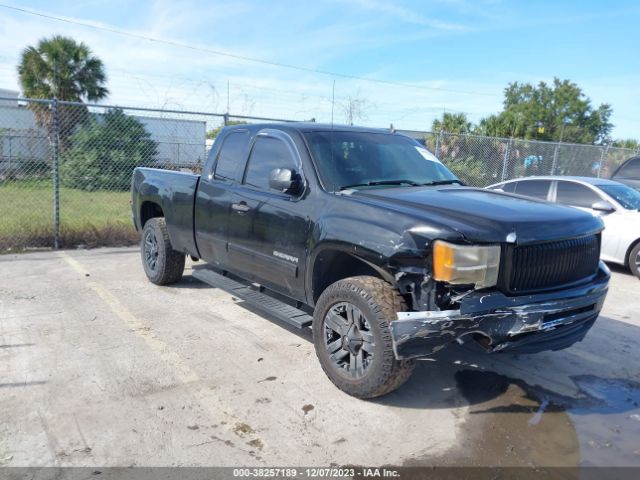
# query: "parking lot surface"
[98,367]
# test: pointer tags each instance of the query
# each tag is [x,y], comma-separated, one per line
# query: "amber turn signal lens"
[442,261]
[466,264]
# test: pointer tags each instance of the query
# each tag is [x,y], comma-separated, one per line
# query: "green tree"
[630,143]
[59,67]
[452,123]
[560,111]
[104,151]
[500,125]
[211,134]
[465,157]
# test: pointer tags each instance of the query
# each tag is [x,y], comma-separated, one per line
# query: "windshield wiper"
[382,182]
[400,182]
[442,182]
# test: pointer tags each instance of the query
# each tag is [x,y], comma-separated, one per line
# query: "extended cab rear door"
[268,229]
[214,196]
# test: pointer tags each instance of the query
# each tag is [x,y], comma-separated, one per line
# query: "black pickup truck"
[367,231]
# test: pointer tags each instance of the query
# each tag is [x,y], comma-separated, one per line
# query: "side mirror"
[603,206]
[285,180]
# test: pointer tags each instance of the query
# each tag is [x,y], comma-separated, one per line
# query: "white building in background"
[179,141]
[20,138]
[12,97]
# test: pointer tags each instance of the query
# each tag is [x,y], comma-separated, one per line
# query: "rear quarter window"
[231,156]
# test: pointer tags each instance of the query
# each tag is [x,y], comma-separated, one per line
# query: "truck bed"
[175,193]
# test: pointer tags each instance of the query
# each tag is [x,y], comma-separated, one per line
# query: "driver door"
[268,231]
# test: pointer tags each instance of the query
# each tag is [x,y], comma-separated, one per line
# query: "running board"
[258,300]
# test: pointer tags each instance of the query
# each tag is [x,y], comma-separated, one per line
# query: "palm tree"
[61,68]
[452,123]
[448,132]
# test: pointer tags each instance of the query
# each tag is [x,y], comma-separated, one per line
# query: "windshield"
[366,160]
[625,196]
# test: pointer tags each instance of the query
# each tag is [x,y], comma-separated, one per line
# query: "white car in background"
[618,205]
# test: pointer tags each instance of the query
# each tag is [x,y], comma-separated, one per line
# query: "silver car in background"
[618,205]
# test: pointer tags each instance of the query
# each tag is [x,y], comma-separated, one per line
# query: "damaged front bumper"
[523,324]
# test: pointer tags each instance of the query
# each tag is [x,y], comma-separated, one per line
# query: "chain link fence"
[481,161]
[65,168]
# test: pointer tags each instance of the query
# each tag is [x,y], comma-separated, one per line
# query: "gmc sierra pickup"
[365,229]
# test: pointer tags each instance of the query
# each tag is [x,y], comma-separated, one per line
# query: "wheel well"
[149,210]
[331,266]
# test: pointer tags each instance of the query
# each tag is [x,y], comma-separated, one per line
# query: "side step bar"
[256,299]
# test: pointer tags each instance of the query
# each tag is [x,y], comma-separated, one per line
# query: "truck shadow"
[579,406]
[190,282]
[465,375]
[462,375]
[614,267]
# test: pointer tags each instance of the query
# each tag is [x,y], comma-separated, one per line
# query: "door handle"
[241,207]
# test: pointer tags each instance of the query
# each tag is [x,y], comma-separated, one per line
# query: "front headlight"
[466,264]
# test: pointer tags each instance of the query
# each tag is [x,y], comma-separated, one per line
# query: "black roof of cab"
[305,127]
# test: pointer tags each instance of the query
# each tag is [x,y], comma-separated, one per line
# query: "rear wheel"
[634,260]
[352,338]
[162,264]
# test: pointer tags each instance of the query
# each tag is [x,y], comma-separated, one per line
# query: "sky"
[403,62]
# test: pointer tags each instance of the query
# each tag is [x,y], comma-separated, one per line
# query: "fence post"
[226,119]
[555,159]
[505,160]
[604,155]
[10,156]
[55,134]
[438,141]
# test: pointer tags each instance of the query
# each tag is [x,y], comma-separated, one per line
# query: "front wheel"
[634,260]
[352,338]
[162,264]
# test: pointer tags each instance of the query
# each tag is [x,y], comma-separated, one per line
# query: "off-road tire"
[632,260]
[169,264]
[378,302]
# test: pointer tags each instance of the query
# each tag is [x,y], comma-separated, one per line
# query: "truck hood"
[484,216]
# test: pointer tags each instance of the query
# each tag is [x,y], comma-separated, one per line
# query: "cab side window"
[576,195]
[268,153]
[231,155]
